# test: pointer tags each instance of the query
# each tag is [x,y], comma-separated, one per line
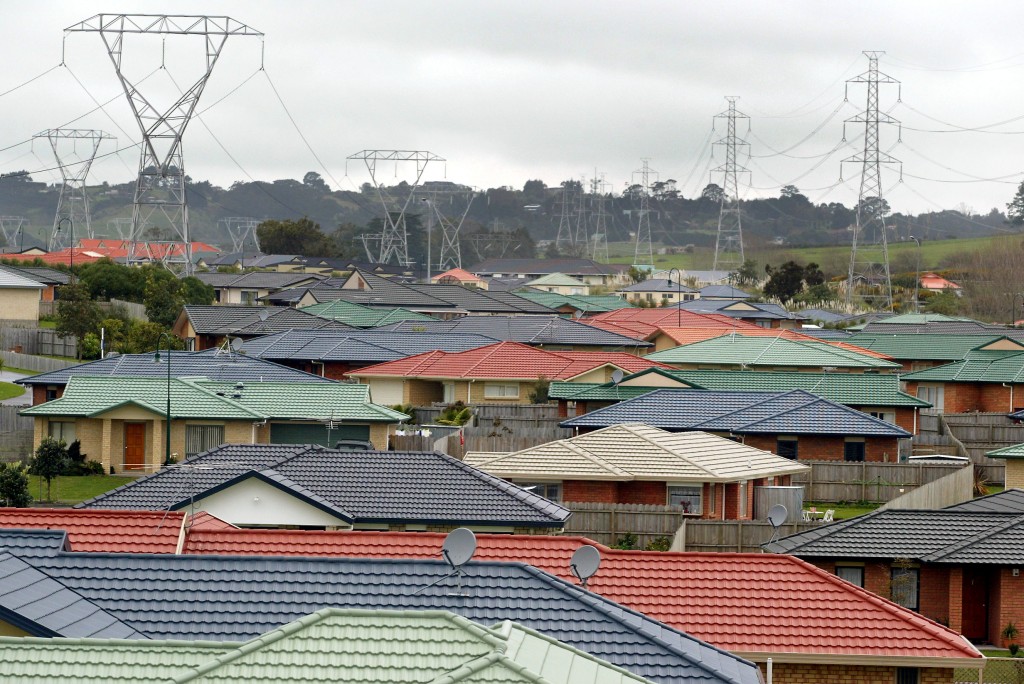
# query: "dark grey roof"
[211,363]
[273,280]
[826,333]
[567,266]
[40,274]
[1006,501]
[374,346]
[793,412]
[657,285]
[230,320]
[944,536]
[358,486]
[43,606]
[227,598]
[33,542]
[826,315]
[720,306]
[533,330]
[506,284]
[727,291]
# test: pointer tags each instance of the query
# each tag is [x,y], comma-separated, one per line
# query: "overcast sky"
[509,91]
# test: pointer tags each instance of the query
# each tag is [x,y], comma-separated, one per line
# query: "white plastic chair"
[807,516]
[829,515]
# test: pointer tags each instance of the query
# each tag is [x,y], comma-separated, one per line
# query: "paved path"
[25,399]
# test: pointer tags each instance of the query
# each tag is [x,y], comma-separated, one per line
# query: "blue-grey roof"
[273,280]
[657,285]
[724,291]
[357,486]
[33,542]
[532,330]
[43,606]
[943,536]
[760,310]
[1006,501]
[211,364]
[794,412]
[238,598]
[251,320]
[374,346]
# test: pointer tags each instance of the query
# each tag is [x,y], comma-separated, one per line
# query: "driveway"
[25,399]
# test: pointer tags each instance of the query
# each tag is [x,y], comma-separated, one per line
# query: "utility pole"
[869,254]
[729,240]
[643,255]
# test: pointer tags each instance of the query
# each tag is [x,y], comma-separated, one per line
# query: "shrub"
[51,460]
[627,542]
[14,485]
[659,544]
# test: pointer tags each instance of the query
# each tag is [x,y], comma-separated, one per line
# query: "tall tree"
[77,313]
[294,237]
[1015,209]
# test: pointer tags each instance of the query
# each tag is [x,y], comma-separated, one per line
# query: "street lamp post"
[167,415]
[679,294]
[917,280]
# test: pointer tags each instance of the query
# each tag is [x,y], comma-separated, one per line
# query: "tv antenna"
[777,515]
[457,550]
[584,563]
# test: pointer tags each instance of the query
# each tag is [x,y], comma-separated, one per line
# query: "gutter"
[861,659]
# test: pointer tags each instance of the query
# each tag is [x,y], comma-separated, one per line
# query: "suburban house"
[920,351]
[713,292]
[205,327]
[934,324]
[121,422]
[574,305]
[700,279]
[502,372]
[708,476]
[794,424]
[668,336]
[553,333]
[589,271]
[936,283]
[559,283]
[958,565]
[658,292]
[644,323]
[764,315]
[457,276]
[989,379]
[422,646]
[1014,457]
[359,316]
[19,298]
[49,278]
[248,288]
[282,485]
[161,597]
[212,364]
[335,354]
[770,353]
[876,394]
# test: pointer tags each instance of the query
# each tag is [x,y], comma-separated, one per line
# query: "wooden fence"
[36,341]
[863,481]
[129,309]
[494,415]
[15,434]
[954,488]
[722,536]
[969,434]
[39,364]
[608,523]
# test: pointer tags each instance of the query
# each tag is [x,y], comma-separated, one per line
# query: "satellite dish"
[777,515]
[459,546]
[264,315]
[584,563]
[237,343]
[616,379]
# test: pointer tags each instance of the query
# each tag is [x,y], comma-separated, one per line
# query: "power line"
[34,78]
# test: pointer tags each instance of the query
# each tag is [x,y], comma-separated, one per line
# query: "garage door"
[315,433]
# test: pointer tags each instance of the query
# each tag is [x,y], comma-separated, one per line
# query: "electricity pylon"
[869,254]
[564,240]
[160,186]
[451,251]
[74,149]
[599,238]
[729,240]
[581,239]
[242,230]
[643,255]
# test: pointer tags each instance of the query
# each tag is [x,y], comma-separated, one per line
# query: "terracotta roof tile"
[101,530]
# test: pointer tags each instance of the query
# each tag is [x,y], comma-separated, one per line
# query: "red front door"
[975,598]
[134,446]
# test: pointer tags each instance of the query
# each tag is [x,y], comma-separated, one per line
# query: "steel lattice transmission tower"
[643,255]
[581,238]
[160,187]
[564,238]
[121,227]
[74,149]
[599,238]
[451,251]
[241,229]
[729,241]
[393,240]
[11,228]
[869,254]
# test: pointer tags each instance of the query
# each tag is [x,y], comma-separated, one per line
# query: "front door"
[134,446]
[975,598]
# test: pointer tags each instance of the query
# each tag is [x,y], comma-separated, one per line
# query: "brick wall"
[789,673]
[820,448]
[590,491]
[934,596]
[642,492]
[422,392]
[1010,601]
[965,397]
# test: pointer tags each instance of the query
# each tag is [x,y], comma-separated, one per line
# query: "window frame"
[787,440]
[62,431]
[543,489]
[190,440]
[913,596]
[489,388]
[688,505]
[858,568]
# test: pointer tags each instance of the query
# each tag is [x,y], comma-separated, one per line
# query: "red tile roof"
[747,603]
[114,248]
[82,256]
[506,360]
[642,323]
[103,531]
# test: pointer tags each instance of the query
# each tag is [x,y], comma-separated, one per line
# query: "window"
[200,438]
[51,393]
[552,491]
[249,297]
[934,395]
[743,499]
[448,395]
[650,297]
[887,416]
[711,497]
[907,675]
[854,574]
[687,496]
[853,451]
[904,585]
[62,430]
[501,390]
[786,447]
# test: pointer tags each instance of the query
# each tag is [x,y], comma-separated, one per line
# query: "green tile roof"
[1015,451]
[557,279]
[87,396]
[979,366]
[851,389]
[361,316]
[920,347]
[919,318]
[738,350]
[589,303]
[364,645]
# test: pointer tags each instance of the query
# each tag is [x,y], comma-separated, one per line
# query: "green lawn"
[20,371]
[72,490]
[843,510]
[8,390]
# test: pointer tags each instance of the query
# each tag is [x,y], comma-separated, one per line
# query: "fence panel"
[724,536]
[15,434]
[39,364]
[877,482]
[607,523]
[951,489]
[36,341]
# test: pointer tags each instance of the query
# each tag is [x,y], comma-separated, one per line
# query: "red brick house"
[990,380]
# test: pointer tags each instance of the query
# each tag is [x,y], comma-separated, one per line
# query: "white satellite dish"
[777,515]
[237,343]
[459,547]
[264,315]
[584,563]
[617,376]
